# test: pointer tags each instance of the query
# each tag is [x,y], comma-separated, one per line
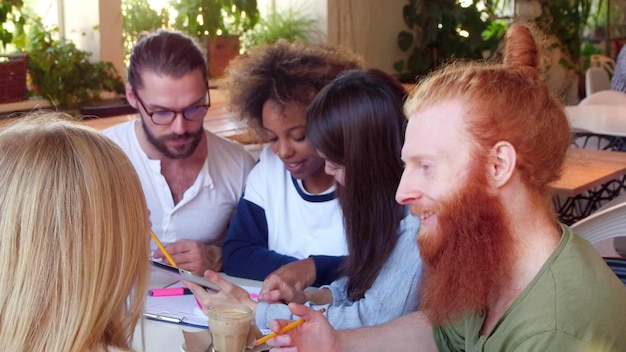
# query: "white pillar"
[105,41]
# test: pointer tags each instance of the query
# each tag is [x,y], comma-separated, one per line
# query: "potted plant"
[139,17]
[566,20]
[12,66]
[62,73]
[220,22]
[291,25]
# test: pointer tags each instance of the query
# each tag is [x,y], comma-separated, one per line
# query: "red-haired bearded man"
[483,144]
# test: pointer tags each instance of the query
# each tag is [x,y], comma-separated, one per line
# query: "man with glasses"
[192,179]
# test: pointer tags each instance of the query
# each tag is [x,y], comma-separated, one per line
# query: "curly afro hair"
[284,73]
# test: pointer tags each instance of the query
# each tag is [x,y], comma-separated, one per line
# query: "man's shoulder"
[577,275]
[125,137]
[122,130]
[573,296]
[224,154]
[222,144]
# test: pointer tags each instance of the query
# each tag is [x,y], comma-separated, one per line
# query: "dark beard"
[174,153]
[468,256]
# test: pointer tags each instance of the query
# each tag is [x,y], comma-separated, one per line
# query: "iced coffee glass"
[229,324]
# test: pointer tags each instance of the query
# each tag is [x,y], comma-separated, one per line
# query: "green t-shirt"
[574,304]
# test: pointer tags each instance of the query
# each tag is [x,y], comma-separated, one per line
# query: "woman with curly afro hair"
[288,222]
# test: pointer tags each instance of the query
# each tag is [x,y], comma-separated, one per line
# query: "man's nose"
[408,191]
[178,124]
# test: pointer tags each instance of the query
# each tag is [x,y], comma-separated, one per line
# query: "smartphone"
[183,274]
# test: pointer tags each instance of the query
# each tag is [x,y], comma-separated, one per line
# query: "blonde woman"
[74,243]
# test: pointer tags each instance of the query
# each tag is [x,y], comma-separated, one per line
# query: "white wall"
[48,10]
[314,8]
[368,27]
[79,18]
[96,26]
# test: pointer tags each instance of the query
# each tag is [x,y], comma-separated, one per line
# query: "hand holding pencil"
[190,255]
[162,248]
[290,326]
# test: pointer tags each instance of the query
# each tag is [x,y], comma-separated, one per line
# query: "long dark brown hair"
[357,121]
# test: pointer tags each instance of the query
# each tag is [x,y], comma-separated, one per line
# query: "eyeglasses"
[165,117]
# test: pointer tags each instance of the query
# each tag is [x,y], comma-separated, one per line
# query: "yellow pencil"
[283,330]
[160,245]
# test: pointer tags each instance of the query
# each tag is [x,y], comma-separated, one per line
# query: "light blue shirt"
[393,293]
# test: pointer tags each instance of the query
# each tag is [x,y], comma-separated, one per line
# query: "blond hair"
[74,243]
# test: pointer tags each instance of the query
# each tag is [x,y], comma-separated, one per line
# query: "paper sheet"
[184,307]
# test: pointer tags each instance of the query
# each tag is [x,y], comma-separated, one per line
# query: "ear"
[130,96]
[502,161]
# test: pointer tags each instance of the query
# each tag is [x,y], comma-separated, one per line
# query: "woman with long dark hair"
[356,124]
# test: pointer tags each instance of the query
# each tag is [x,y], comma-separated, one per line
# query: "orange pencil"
[283,330]
[160,245]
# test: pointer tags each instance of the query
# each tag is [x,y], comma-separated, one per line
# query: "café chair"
[605,224]
[596,79]
[618,243]
[588,140]
[602,227]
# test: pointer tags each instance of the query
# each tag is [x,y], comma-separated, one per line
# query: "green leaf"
[63,73]
[398,66]
[405,40]
[291,25]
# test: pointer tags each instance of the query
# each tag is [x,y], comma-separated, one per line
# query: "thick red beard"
[468,256]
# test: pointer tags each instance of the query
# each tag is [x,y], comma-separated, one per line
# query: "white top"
[299,224]
[393,293]
[207,206]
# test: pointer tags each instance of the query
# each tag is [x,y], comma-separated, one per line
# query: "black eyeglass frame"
[175,112]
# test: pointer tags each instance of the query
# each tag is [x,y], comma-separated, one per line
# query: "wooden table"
[590,178]
[586,169]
